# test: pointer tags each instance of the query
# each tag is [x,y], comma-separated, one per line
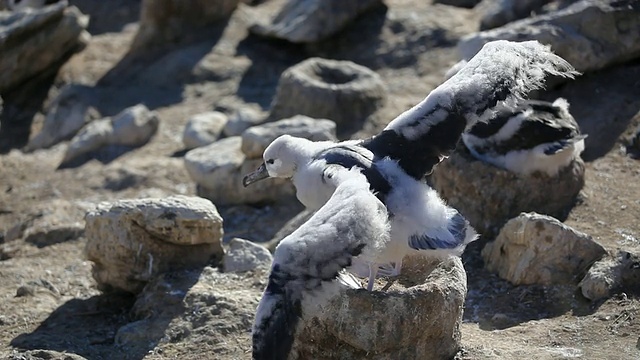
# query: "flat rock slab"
[538,249]
[590,34]
[131,241]
[418,317]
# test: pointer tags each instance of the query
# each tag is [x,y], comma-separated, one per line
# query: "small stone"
[256,139]
[25,290]
[203,129]
[612,274]
[131,241]
[244,255]
[241,120]
[538,249]
[67,114]
[134,126]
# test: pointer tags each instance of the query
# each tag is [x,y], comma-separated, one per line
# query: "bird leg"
[396,267]
[373,270]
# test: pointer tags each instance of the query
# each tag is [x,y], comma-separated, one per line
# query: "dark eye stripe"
[270,161]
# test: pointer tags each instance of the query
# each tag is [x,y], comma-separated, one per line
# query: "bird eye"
[270,161]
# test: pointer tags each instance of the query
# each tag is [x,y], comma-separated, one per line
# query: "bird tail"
[276,318]
[501,73]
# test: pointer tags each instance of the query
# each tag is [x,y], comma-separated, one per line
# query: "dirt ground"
[50,307]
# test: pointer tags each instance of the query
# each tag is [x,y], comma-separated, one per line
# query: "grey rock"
[242,119]
[538,249]
[203,129]
[342,91]
[428,296]
[499,12]
[489,196]
[304,21]
[590,34]
[67,114]
[256,139]
[50,223]
[612,273]
[45,354]
[32,41]
[458,3]
[134,126]
[218,170]
[131,241]
[167,21]
[243,255]
[192,306]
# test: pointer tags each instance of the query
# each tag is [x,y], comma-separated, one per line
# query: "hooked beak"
[259,174]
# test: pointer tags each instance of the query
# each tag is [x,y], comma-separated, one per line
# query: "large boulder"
[167,21]
[342,91]
[305,21]
[218,170]
[612,273]
[418,317]
[538,249]
[242,119]
[68,113]
[590,34]
[132,127]
[256,139]
[132,241]
[32,41]
[489,196]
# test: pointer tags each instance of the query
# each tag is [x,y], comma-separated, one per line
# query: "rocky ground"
[52,308]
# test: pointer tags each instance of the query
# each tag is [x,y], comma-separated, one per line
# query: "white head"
[282,158]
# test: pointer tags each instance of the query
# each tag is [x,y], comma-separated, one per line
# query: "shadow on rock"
[495,303]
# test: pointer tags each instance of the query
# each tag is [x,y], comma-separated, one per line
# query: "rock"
[133,127]
[32,41]
[633,144]
[131,241]
[44,354]
[422,311]
[305,21]
[341,91]
[458,3]
[241,120]
[169,21]
[218,170]
[203,129]
[499,12]
[538,249]
[612,274]
[67,114]
[195,307]
[49,223]
[489,196]
[256,139]
[244,255]
[590,34]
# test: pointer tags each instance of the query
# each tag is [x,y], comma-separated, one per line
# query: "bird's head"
[281,159]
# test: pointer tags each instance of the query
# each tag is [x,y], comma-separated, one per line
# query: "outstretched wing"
[501,72]
[352,223]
